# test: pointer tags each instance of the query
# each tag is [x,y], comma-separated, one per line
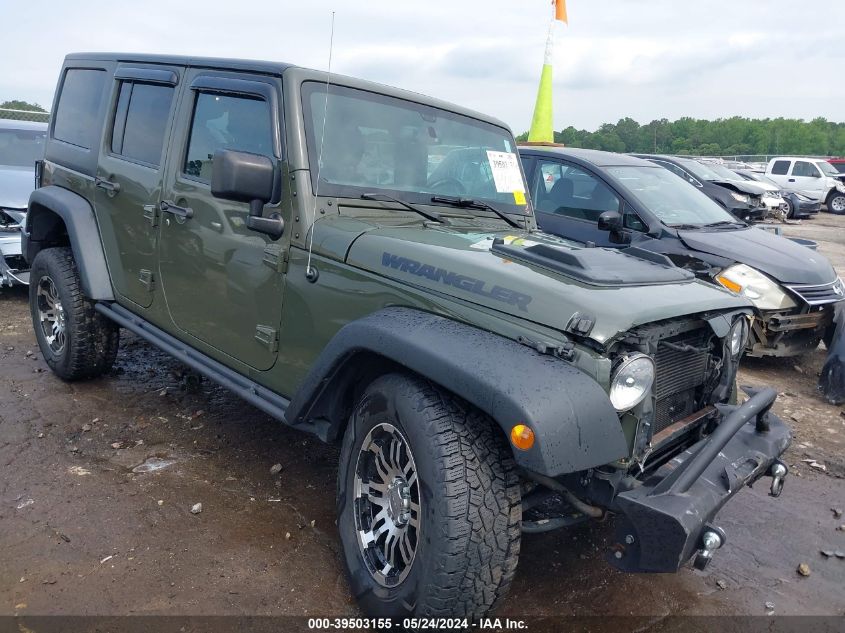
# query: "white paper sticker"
[513,240]
[506,173]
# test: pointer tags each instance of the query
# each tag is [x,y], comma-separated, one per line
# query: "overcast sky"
[645,59]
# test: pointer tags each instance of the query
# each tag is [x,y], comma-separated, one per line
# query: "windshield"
[699,170]
[827,168]
[21,148]
[373,143]
[669,197]
[723,172]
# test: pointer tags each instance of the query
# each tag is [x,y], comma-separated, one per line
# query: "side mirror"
[247,177]
[610,221]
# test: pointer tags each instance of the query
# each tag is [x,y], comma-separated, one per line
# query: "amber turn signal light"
[730,285]
[522,437]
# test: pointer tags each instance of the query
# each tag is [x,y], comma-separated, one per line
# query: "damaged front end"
[13,267]
[690,451]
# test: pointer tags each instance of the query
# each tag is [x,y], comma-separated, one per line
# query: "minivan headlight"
[738,336]
[754,285]
[739,197]
[631,382]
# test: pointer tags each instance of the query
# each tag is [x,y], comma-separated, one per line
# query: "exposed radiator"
[678,375]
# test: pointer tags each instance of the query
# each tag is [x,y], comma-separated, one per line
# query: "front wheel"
[428,503]
[75,340]
[836,202]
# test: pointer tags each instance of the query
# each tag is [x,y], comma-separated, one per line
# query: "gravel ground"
[98,479]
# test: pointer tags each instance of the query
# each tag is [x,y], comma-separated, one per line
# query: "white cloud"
[646,59]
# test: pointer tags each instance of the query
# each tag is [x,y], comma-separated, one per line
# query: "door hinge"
[151,214]
[146,278]
[267,336]
[276,257]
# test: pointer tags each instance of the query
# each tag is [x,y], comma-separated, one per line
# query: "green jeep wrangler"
[362,263]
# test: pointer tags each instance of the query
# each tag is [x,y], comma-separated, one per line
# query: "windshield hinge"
[276,257]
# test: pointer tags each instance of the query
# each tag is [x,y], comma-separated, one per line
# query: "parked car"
[772,197]
[21,144]
[478,375]
[621,201]
[742,199]
[798,206]
[813,177]
[838,163]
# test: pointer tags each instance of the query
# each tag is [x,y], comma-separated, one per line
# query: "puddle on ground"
[153,464]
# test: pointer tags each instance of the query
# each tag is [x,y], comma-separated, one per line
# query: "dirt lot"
[97,481]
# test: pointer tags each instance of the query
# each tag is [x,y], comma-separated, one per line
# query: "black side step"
[261,397]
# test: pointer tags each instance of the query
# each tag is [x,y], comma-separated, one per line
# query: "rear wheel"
[76,341]
[836,202]
[428,504]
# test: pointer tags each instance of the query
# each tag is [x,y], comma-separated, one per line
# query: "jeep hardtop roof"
[278,68]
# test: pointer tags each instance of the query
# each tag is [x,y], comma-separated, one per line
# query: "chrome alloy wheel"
[51,315]
[387,505]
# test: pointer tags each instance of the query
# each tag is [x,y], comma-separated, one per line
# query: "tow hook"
[712,539]
[778,472]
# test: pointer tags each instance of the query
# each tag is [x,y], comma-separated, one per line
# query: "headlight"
[738,336]
[739,197]
[754,285]
[631,382]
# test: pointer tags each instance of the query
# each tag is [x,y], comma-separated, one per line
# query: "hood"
[530,281]
[754,188]
[16,183]
[778,257]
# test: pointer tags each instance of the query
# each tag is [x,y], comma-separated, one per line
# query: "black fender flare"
[42,229]
[575,425]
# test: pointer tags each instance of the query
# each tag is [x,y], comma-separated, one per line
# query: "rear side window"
[76,117]
[226,122]
[803,168]
[140,121]
[780,168]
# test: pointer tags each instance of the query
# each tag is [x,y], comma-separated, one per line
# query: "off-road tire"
[471,511]
[92,340]
[836,199]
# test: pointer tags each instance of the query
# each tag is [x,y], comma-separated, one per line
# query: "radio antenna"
[311,274]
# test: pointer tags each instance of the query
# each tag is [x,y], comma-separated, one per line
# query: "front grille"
[819,295]
[678,373]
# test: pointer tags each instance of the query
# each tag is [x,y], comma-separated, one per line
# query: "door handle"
[791,180]
[180,212]
[107,185]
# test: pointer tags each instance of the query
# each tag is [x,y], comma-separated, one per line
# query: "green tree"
[720,137]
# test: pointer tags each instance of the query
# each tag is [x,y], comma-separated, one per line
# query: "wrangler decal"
[464,282]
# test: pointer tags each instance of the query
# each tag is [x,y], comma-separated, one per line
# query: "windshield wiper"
[685,227]
[429,215]
[472,203]
[724,223]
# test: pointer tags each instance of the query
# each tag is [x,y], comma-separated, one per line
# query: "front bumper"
[788,333]
[665,521]
[13,268]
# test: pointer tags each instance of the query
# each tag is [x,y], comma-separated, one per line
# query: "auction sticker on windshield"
[506,173]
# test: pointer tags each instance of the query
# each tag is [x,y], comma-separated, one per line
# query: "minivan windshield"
[373,143]
[21,148]
[674,201]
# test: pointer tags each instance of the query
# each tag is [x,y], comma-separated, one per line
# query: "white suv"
[814,177]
